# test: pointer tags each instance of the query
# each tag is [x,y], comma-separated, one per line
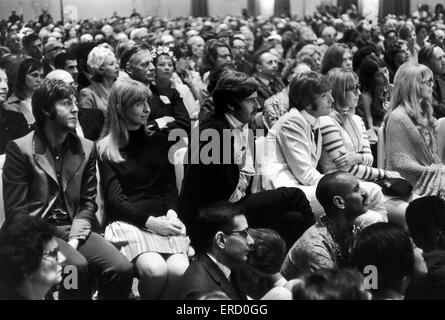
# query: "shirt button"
[57,158]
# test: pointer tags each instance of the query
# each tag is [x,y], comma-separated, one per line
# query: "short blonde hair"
[340,80]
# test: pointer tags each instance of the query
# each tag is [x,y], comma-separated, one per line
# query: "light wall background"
[164,8]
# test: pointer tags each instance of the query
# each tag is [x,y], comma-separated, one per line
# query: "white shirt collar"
[234,122]
[310,119]
[225,270]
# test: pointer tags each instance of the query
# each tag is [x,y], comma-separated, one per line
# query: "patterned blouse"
[275,107]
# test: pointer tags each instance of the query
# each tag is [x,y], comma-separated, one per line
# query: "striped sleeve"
[365,149]
[333,144]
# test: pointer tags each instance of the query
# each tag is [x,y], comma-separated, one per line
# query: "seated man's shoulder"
[25,142]
[197,279]
[313,237]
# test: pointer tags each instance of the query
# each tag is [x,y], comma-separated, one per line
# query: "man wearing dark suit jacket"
[227,173]
[224,244]
[51,173]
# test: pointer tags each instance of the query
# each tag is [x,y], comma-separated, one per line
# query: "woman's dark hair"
[361,54]
[81,52]
[425,218]
[158,56]
[387,247]
[45,96]
[350,37]
[333,57]
[216,74]
[232,89]
[25,67]
[392,50]
[304,88]
[425,54]
[369,67]
[268,251]
[330,284]
[22,241]
[182,50]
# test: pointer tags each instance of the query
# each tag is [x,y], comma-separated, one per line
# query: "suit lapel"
[46,163]
[218,276]
[71,164]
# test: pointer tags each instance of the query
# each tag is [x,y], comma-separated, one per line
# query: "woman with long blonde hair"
[410,131]
[141,198]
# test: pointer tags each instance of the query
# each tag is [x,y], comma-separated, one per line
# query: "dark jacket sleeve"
[180,112]
[13,125]
[116,200]
[170,192]
[15,181]
[91,121]
[85,216]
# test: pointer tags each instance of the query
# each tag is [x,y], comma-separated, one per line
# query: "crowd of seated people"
[223,159]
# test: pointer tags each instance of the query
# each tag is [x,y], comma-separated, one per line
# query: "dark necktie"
[315,132]
[235,285]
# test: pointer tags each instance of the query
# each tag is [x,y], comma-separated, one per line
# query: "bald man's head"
[341,192]
[62,75]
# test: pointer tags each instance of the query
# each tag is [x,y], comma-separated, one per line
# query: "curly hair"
[22,241]
[268,251]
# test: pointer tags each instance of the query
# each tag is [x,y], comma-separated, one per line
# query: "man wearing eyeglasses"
[50,51]
[224,244]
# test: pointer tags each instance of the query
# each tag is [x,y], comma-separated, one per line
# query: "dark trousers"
[286,210]
[95,256]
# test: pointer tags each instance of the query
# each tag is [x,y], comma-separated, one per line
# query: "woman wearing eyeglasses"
[345,144]
[410,131]
[345,141]
[31,263]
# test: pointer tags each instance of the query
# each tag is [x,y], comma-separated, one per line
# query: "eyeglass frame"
[429,82]
[54,254]
[243,233]
[354,88]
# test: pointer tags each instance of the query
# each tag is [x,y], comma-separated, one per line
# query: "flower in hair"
[155,53]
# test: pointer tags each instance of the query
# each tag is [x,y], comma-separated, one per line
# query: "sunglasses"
[355,88]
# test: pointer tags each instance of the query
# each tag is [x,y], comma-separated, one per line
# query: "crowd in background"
[86,109]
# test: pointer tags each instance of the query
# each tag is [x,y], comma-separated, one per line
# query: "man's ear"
[46,112]
[220,240]
[230,107]
[259,68]
[338,202]
[128,69]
